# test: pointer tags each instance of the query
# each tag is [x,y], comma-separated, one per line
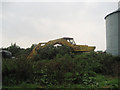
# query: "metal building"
[113,32]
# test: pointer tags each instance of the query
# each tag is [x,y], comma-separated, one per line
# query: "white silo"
[113,32]
[119,4]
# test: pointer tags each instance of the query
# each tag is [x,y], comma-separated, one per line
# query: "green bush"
[51,52]
[14,71]
[52,71]
[59,66]
[48,52]
[14,49]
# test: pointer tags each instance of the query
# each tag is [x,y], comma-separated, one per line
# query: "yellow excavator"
[62,41]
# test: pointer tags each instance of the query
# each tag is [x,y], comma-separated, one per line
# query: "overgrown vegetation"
[58,67]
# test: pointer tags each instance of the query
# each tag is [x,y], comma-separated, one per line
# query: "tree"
[14,49]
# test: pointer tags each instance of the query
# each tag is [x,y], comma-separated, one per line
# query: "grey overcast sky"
[27,23]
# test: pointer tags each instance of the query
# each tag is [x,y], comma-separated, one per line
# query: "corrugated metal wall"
[112,34]
[119,34]
[119,4]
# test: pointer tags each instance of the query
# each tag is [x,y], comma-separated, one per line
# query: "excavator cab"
[70,40]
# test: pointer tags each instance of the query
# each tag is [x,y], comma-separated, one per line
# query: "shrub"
[14,49]
[48,52]
[63,68]
[51,52]
[52,71]
[16,70]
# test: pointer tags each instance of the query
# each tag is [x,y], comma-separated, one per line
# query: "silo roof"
[113,13]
